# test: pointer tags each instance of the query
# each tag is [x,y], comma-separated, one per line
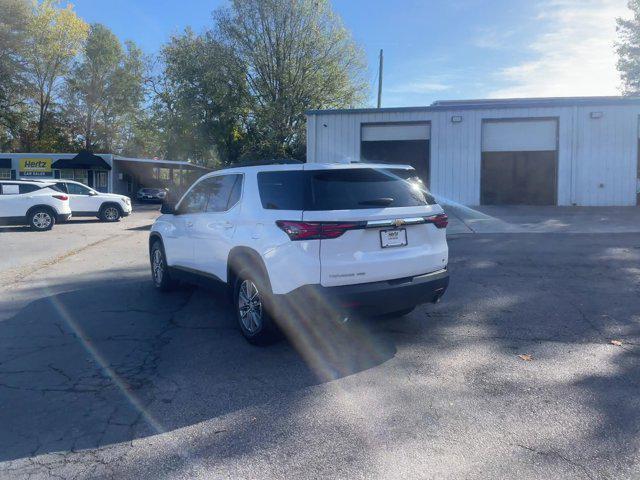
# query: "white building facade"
[555,151]
[102,171]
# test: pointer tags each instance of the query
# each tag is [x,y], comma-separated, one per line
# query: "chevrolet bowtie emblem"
[398,222]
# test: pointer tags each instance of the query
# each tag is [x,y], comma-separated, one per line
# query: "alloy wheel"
[41,220]
[111,214]
[158,266]
[250,306]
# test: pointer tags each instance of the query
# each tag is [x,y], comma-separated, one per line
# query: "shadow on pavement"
[141,228]
[108,362]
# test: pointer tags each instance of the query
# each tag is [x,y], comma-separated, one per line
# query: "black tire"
[41,219]
[110,213]
[256,325]
[160,273]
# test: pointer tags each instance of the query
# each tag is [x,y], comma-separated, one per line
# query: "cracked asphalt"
[102,377]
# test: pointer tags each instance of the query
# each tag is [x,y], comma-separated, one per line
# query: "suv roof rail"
[260,163]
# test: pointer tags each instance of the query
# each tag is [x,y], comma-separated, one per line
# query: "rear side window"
[282,190]
[29,188]
[341,189]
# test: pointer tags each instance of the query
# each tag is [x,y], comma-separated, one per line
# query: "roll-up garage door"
[519,162]
[405,143]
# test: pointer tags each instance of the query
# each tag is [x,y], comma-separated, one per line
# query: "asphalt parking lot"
[102,377]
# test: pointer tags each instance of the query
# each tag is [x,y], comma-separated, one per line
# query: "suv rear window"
[341,189]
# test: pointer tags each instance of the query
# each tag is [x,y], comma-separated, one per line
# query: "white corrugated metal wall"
[597,157]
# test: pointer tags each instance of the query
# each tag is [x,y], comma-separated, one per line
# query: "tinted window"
[62,187]
[74,189]
[195,201]
[24,188]
[282,190]
[219,190]
[341,189]
[362,188]
[412,177]
[236,192]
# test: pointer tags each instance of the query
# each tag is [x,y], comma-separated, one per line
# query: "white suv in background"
[87,202]
[39,205]
[298,243]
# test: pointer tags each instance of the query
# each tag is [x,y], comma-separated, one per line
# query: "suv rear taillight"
[440,221]
[316,230]
[61,197]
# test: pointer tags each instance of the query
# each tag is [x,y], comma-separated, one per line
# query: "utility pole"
[380,80]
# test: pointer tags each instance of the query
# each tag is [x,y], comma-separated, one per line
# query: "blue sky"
[435,49]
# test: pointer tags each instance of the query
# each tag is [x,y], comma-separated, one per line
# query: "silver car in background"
[151,195]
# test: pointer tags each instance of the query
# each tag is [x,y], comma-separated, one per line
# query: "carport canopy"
[85,159]
[147,172]
[174,164]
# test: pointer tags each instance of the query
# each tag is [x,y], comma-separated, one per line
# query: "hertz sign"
[35,167]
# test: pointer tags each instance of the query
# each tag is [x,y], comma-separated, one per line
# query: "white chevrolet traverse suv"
[291,239]
[87,202]
[39,205]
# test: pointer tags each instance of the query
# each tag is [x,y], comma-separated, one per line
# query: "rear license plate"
[393,238]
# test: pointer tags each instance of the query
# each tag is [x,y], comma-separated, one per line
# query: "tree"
[104,89]
[298,55]
[199,99]
[55,35]
[91,77]
[13,27]
[628,49]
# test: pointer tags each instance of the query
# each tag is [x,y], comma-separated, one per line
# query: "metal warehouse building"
[544,151]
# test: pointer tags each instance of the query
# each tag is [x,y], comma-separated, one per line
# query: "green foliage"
[13,30]
[298,55]
[54,36]
[199,99]
[238,90]
[104,88]
[628,48]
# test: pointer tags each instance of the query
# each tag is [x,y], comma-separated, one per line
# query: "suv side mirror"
[92,193]
[168,208]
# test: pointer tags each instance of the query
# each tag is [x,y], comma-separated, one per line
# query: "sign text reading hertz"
[35,166]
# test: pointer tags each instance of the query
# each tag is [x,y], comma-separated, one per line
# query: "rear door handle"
[189,224]
[227,225]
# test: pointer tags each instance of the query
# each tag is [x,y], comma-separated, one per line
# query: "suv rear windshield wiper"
[377,202]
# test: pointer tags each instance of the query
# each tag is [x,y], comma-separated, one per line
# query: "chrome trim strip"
[392,222]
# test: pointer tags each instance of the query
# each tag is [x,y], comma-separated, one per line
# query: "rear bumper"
[369,298]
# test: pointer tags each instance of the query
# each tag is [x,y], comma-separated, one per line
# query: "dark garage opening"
[519,163]
[518,178]
[398,143]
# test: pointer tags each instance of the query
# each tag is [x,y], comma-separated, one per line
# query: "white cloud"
[418,87]
[573,55]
